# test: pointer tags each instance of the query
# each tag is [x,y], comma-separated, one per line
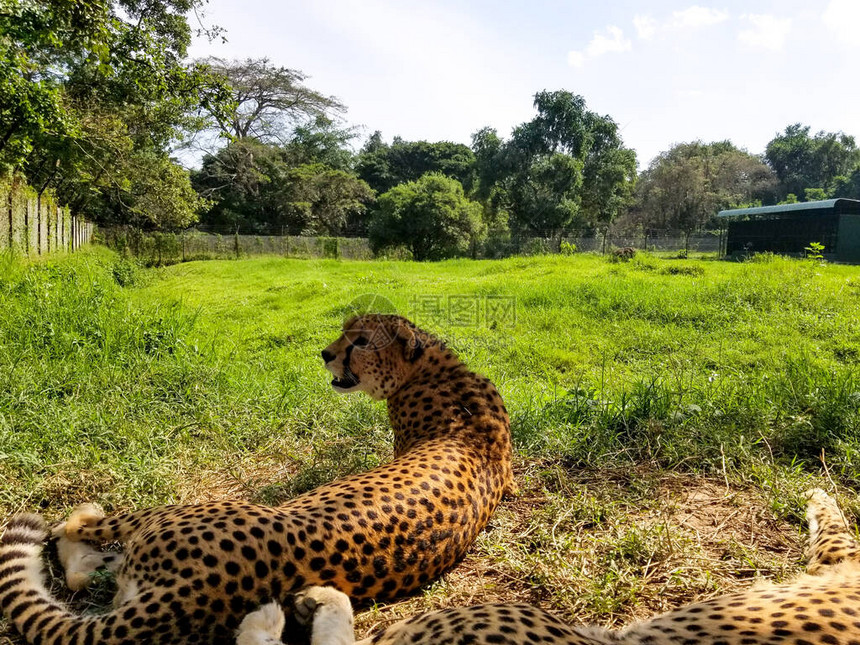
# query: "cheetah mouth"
[346,382]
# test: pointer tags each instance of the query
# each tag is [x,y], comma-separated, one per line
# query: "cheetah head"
[375,354]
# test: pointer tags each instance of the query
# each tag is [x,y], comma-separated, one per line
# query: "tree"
[241,182]
[95,94]
[685,187]
[325,200]
[546,197]
[253,187]
[846,185]
[321,141]
[487,146]
[268,102]
[160,195]
[814,194]
[36,41]
[383,166]
[609,174]
[566,169]
[803,161]
[431,217]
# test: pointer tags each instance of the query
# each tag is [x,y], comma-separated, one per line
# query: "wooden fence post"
[9,213]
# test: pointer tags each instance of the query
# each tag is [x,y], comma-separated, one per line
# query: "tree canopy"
[255,187]
[93,94]
[564,170]
[685,187]
[266,101]
[802,161]
[384,166]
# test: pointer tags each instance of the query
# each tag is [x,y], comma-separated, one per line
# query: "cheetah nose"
[327,356]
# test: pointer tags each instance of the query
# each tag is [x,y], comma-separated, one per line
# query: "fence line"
[34,224]
[156,248]
[663,242]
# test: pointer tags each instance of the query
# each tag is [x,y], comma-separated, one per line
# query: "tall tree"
[268,102]
[254,187]
[37,40]
[685,187]
[241,181]
[326,201]
[566,169]
[846,185]
[803,161]
[609,174]
[107,91]
[321,141]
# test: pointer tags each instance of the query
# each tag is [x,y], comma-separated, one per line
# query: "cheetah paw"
[312,600]
[262,627]
[83,516]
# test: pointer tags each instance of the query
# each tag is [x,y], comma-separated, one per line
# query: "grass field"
[667,414]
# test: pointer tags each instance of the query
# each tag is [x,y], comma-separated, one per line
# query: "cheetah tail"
[23,596]
[27,603]
[830,540]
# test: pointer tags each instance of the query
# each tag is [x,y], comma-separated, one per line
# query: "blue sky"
[666,71]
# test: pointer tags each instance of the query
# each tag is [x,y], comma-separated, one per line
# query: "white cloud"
[696,17]
[765,31]
[610,41]
[689,19]
[842,18]
[645,26]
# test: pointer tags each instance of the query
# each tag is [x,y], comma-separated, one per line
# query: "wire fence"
[168,248]
[156,248]
[33,224]
[663,241]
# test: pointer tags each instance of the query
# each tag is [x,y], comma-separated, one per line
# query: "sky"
[667,72]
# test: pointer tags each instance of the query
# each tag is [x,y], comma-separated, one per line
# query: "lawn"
[667,414]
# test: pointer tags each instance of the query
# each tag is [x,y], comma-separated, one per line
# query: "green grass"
[134,387]
[700,365]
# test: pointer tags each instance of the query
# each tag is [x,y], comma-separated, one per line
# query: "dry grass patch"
[610,546]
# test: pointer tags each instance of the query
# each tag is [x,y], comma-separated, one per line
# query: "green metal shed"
[789,228]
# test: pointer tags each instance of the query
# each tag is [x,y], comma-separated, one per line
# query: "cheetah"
[189,574]
[821,607]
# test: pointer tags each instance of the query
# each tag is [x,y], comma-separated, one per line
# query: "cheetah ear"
[412,342]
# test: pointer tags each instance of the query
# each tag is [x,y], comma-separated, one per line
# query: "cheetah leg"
[79,559]
[830,539]
[331,613]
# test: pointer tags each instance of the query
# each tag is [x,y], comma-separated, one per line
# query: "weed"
[694,271]
[815,251]
[126,272]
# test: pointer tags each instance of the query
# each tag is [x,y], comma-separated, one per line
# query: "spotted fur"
[818,608]
[191,573]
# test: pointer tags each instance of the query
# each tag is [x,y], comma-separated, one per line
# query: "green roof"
[847,205]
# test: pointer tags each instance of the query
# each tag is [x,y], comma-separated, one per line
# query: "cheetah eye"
[361,341]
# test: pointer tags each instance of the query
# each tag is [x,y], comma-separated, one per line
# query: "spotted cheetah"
[821,607]
[190,573]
